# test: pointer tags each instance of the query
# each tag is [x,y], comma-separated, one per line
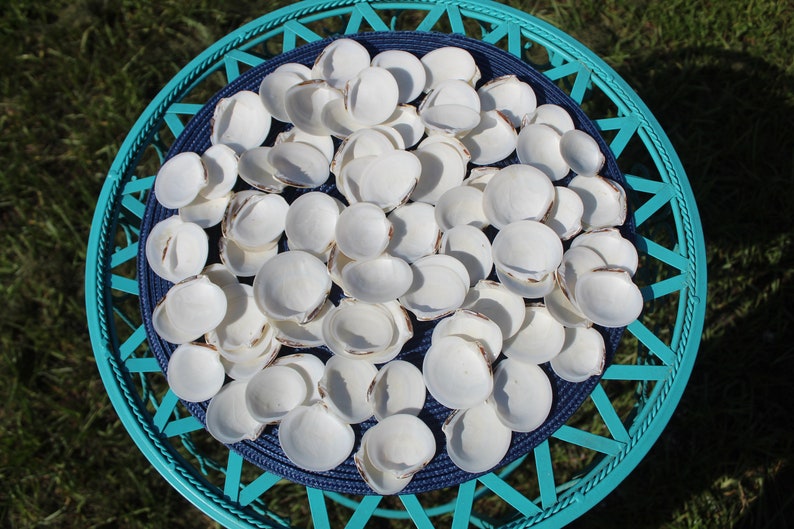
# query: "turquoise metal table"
[560,479]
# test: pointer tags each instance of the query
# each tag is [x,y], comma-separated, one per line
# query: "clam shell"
[220,161]
[565,215]
[195,372]
[614,249]
[498,304]
[563,309]
[439,286]
[165,329]
[344,387]
[539,339]
[299,164]
[415,232]
[255,220]
[532,287]
[361,143]
[522,395]
[293,285]
[242,261]
[371,96]
[256,170]
[175,249]
[510,96]
[390,179]
[400,444]
[310,222]
[273,90]
[310,368]
[480,176]
[476,439]
[406,69]
[608,297]
[381,482]
[219,274]
[324,143]
[493,138]
[471,247]
[240,121]
[517,192]
[408,124]
[397,388]
[604,201]
[450,119]
[362,231]
[581,152]
[461,205]
[473,327]
[552,115]
[452,141]
[305,102]
[442,169]
[352,176]
[273,392]
[195,306]
[244,333]
[377,280]
[179,180]
[583,355]
[205,212]
[244,370]
[336,117]
[449,62]
[340,61]
[227,417]
[457,373]
[314,438]
[539,146]
[576,261]
[298,335]
[527,249]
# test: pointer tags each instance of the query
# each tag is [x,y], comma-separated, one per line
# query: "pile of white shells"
[408,238]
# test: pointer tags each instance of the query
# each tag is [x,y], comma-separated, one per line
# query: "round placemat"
[441,472]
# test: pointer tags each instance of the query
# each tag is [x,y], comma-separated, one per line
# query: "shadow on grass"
[729,443]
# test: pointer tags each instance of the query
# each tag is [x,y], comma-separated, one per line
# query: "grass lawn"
[718,76]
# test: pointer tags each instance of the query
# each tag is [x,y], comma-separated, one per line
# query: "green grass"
[718,76]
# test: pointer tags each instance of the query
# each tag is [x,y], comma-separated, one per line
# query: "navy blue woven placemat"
[441,472]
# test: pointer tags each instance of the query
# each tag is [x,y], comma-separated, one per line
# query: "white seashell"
[470,246]
[440,283]
[337,262]
[255,220]
[311,222]
[407,70]
[583,355]
[179,180]
[442,169]
[255,169]
[293,285]
[273,392]
[241,121]
[377,280]
[397,388]
[195,372]
[352,176]
[408,124]
[581,152]
[608,297]
[539,146]
[539,339]
[205,212]
[340,61]
[476,439]
[497,303]
[575,262]
[392,134]
[461,205]
[371,96]
[480,176]
[165,329]
[310,368]
[338,120]
[305,102]
[195,306]
[344,387]
[534,287]
[273,90]
[614,249]
[299,164]
[324,143]
[295,67]
[298,335]
[492,140]
[517,192]
[372,331]
[473,327]
[314,438]
[400,444]
[522,395]
[361,143]
[219,274]
[390,179]
[449,62]
[244,333]
[552,115]
[563,310]
[242,261]
[220,162]
[227,417]
[604,201]
[527,249]
[565,215]
[362,231]
[381,482]
[452,141]
[510,96]
[175,249]
[449,119]
[457,373]
[415,232]
[244,370]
